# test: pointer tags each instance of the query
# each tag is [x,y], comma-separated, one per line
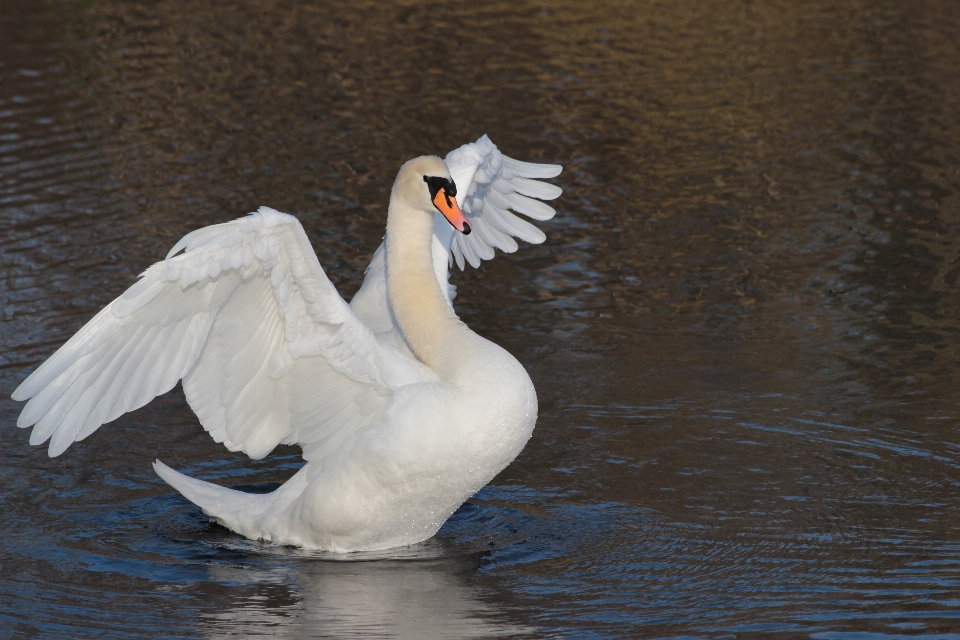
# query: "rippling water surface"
[744,326]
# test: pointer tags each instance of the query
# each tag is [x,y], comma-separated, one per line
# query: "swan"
[402,412]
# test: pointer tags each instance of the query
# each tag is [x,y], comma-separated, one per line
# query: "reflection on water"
[743,326]
[362,599]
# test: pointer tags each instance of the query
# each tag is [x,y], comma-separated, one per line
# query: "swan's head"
[425,184]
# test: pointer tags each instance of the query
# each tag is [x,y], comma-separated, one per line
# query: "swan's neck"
[428,323]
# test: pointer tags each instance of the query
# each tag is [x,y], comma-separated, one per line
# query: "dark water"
[744,326]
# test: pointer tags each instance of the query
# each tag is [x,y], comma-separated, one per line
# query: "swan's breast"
[438,444]
[498,403]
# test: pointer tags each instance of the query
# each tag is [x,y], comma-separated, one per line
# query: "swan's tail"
[213,499]
[244,513]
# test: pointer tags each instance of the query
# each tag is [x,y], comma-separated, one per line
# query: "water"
[743,327]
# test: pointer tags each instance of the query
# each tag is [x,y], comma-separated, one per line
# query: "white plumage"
[269,353]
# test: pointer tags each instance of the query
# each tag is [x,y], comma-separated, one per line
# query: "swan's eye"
[435,183]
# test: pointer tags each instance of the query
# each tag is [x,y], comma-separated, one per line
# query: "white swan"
[401,411]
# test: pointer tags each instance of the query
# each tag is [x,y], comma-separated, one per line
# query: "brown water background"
[744,326]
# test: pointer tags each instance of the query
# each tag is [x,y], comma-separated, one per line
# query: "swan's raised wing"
[491,190]
[489,186]
[268,351]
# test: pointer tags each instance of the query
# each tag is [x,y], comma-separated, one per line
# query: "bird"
[402,412]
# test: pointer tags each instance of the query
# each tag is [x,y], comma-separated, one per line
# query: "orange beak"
[451,211]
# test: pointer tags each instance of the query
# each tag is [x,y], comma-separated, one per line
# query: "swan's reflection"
[400,598]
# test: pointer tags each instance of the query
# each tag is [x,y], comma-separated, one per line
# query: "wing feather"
[515,226]
[530,207]
[535,189]
[531,169]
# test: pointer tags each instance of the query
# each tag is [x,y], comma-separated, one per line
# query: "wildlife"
[402,412]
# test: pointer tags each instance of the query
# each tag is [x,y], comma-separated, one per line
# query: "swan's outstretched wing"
[489,185]
[267,350]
